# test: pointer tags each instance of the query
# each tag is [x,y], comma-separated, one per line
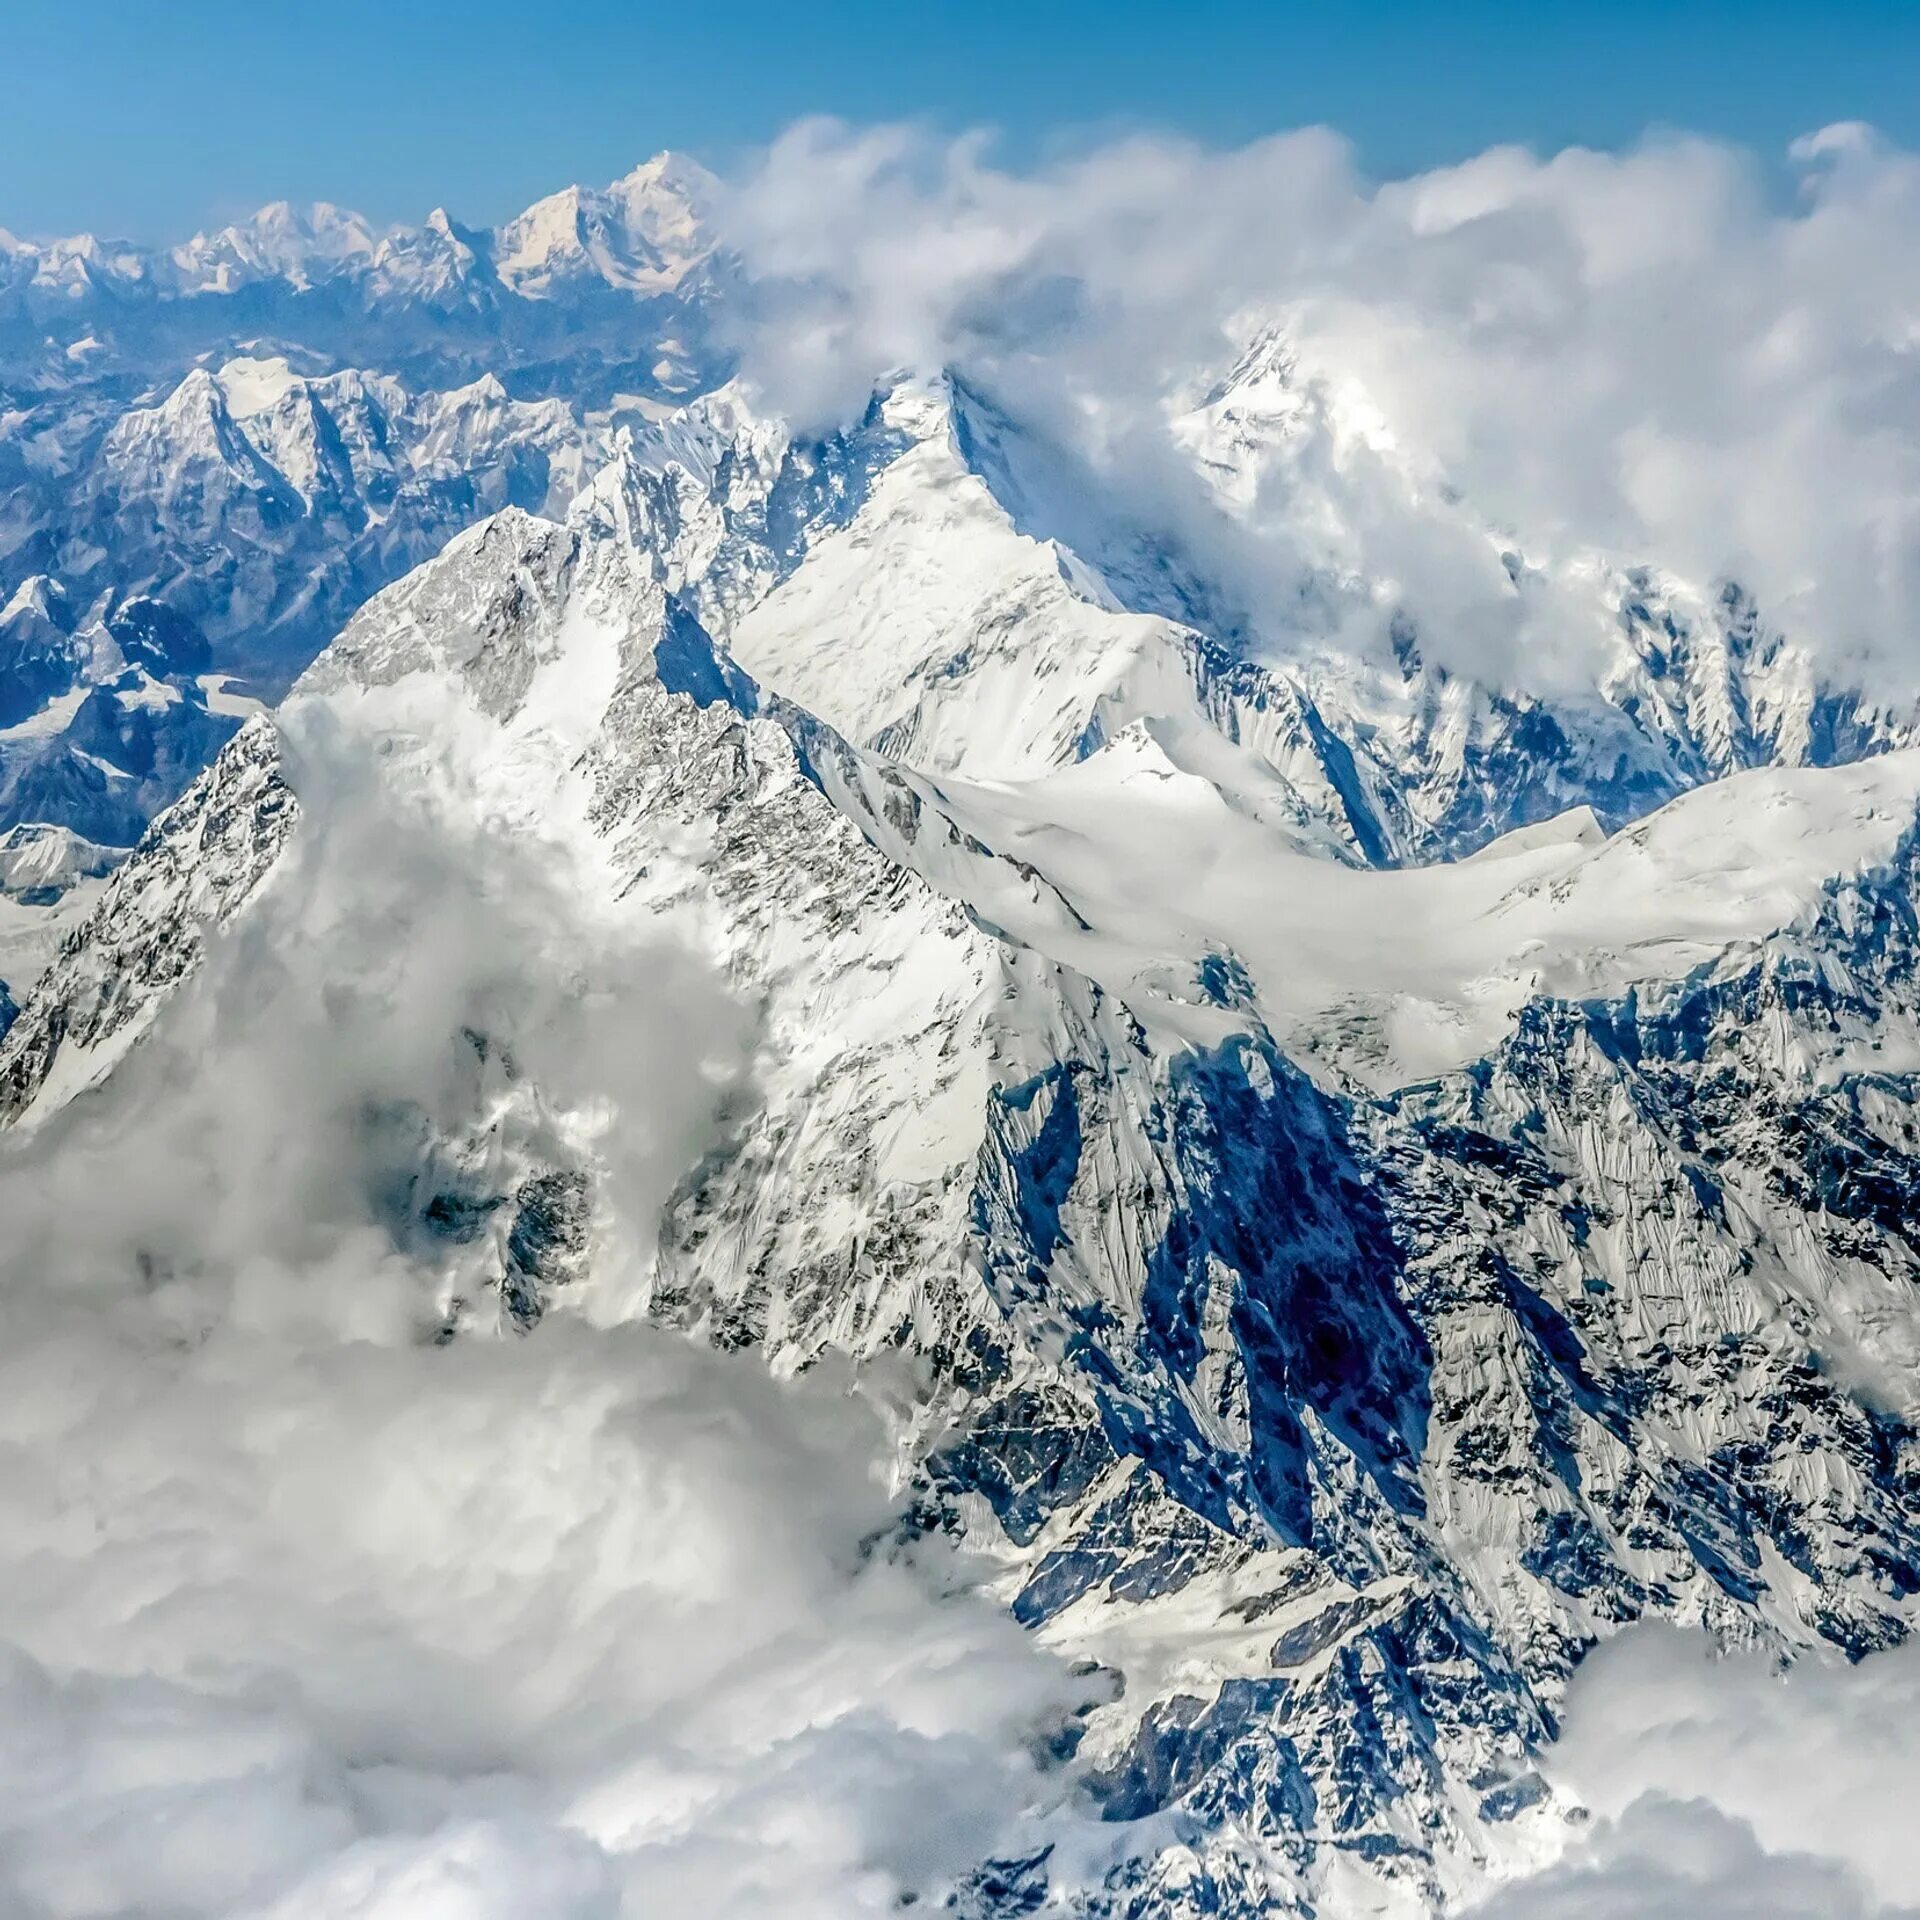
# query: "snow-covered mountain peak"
[440,263]
[669,200]
[38,598]
[665,179]
[639,237]
[577,613]
[1024,1098]
[931,627]
[253,384]
[1331,1412]
[42,858]
[642,234]
[1358,1167]
[1261,432]
[195,402]
[279,240]
[556,235]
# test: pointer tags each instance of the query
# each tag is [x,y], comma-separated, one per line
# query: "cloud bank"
[1640,358]
[304,1616]
[1722,1787]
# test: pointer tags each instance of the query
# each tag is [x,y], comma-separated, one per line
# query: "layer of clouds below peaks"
[1638,354]
[1725,1790]
[304,1617]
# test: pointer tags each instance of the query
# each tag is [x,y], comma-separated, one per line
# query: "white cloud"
[1637,355]
[305,1616]
[1722,1788]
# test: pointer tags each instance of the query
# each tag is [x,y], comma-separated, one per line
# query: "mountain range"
[1384,1176]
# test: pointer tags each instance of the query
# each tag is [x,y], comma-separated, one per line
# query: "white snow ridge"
[801,1117]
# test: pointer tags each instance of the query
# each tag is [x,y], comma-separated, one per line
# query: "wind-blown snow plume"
[1509,364]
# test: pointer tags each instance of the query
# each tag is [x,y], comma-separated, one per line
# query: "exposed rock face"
[265,426]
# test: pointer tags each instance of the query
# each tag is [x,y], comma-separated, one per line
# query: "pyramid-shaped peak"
[640,233]
[197,392]
[38,597]
[677,172]
[667,194]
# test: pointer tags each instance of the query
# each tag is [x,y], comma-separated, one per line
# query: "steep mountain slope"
[256,432]
[1328,1415]
[121,712]
[266,503]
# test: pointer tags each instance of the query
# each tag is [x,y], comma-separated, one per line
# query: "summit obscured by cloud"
[1638,357]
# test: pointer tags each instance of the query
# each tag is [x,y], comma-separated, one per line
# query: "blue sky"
[144,119]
